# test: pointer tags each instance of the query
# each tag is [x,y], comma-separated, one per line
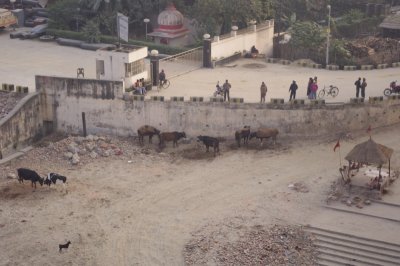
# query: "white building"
[126,63]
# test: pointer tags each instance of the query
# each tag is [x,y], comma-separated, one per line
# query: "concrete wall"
[68,98]
[259,35]
[21,126]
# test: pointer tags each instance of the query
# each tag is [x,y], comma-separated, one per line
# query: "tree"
[307,37]
[91,31]
[216,17]
[63,14]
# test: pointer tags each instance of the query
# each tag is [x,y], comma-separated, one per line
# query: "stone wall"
[66,100]
[21,126]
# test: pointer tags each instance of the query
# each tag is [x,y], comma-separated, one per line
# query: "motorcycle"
[393,88]
[219,91]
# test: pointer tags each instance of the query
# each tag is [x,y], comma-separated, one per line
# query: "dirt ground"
[143,206]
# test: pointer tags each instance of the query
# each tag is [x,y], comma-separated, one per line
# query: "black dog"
[64,246]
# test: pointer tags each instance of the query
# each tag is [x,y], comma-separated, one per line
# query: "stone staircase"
[336,248]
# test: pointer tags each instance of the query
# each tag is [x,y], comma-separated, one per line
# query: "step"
[358,254]
[328,263]
[326,259]
[379,211]
[386,254]
[352,260]
[325,234]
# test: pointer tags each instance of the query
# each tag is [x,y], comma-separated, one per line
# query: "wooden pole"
[84,124]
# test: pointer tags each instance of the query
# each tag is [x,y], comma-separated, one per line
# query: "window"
[134,68]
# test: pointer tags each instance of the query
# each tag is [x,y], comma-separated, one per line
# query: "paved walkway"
[21,60]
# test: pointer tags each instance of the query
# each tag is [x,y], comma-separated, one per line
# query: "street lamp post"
[328,34]
[77,18]
[12,2]
[146,20]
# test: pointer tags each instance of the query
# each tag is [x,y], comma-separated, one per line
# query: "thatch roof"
[391,22]
[370,152]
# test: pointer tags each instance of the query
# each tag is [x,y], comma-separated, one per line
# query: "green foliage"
[91,31]
[365,25]
[216,17]
[307,35]
[338,54]
[63,14]
[162,49]
[352,16]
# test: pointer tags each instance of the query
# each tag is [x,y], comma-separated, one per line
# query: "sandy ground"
[21,60]
[144,212]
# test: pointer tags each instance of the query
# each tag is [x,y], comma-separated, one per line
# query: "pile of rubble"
[8,100]
[92,146]
[373,50]
[77,151]
[257,245]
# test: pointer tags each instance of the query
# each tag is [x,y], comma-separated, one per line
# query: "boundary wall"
[64,100]
[260,35]
[21,126]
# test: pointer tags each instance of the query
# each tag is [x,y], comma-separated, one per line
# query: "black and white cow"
[27,174]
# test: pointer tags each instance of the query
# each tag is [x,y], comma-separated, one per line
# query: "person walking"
[293,88]
[358,86]
[227,86]
[263,90]
[363,86]
[310,82]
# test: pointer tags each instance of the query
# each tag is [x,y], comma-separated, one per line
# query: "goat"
[147,131]
[244,134]
[66,245]
[52,178]
[171,136]
[265,133]
[28,174]
[209,141]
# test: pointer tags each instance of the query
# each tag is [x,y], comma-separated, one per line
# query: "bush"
[162,49]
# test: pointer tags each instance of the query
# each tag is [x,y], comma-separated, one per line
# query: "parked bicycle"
[164,85]
[330,90]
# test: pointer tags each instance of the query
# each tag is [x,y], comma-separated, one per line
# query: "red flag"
[336,146]
[369,129]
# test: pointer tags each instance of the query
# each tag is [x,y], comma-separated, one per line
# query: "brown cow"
[147,131]
[265,133]
[244,134]
[171,136]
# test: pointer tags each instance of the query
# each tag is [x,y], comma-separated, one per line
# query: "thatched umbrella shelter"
[370,152]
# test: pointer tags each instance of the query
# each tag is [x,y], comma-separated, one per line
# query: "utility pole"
[328,34]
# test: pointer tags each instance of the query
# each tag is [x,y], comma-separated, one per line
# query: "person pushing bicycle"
[162,77]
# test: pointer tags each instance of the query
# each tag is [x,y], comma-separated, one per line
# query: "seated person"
[142,86]
[254,51]
[137,87]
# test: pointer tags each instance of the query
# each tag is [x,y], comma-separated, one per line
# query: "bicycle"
[163,85]
[331,90]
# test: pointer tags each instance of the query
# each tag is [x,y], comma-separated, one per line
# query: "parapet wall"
[66,100]
[21,126]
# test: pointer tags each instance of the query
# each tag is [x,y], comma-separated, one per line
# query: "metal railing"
[176,65]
